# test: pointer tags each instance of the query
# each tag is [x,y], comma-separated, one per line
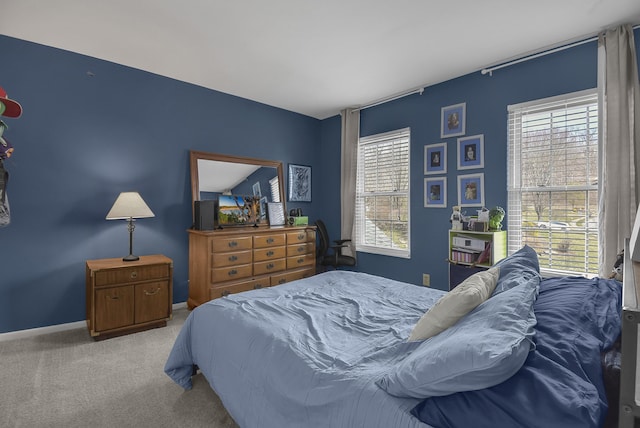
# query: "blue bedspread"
[560,384]
[307,353]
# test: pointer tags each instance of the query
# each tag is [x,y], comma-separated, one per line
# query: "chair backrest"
[324,238]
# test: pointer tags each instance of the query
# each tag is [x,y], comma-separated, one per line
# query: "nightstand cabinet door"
[114,307]
[151,301]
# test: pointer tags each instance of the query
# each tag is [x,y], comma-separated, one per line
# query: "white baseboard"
[31,332]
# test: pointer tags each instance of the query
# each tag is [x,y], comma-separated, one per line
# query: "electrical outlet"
[426,279]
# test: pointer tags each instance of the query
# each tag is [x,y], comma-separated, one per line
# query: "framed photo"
[452,120]
[435,192]
[276,213]
[471,152]
[263,208]
[471,190]
[299,183]
[256,189]
[435,159]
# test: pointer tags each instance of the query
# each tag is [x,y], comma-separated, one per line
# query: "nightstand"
[126,297]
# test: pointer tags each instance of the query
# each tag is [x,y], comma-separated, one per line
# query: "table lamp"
[129,206]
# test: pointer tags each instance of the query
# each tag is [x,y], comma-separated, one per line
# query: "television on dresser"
[237,210]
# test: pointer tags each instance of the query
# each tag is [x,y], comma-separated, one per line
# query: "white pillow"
[456,304]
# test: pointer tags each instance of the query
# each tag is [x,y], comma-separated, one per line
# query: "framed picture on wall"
[471,152]
[299,183]
[452,120]
[435,192]
[435,159]
[471,190]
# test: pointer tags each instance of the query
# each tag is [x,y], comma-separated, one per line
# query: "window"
[382,194]
[553,182]
[274,185]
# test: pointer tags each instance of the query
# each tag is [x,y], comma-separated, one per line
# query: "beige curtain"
[350,136]
[620,138]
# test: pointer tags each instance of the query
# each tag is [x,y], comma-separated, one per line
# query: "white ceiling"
[310,57]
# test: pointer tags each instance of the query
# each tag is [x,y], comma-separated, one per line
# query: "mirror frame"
[195,155]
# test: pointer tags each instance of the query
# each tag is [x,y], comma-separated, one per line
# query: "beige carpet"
[68,380]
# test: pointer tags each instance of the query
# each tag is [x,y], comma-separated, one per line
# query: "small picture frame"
[435,192]
[256,189]
[471,190]
[263,208]
[435,159]
[471,152]
[276,213]
[299,183]
[452,120]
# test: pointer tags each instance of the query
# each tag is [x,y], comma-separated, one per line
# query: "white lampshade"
[129,205]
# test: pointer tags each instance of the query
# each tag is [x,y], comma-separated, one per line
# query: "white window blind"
[275,189]
[382,194]
[553,181]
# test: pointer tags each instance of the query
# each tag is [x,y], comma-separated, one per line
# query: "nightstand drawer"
[151,301]
[131,274]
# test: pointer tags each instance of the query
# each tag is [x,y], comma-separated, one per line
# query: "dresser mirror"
[214,174]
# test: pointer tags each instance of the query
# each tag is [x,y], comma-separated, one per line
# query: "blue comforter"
[278,358]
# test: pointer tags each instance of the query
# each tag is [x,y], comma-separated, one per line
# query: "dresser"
[124,297]
[231,260]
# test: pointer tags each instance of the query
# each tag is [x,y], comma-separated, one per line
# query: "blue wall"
[486,98]
[84,138]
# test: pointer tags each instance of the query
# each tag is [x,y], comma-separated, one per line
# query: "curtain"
[620,132]
[350,136]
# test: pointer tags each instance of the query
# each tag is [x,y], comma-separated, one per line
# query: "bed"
[333,350]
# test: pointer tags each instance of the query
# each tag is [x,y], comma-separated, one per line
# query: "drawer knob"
[233,272]
[225,293]
[282,281]
[269,253]
[257,286]
[269,240]
[301,236]
[113,297]
[233,258]
[301,249]
[134,274]
[270,266]
[300,260]
[233,243]
[152,293]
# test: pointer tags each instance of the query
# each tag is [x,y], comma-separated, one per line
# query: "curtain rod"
[490,70]
[388,99]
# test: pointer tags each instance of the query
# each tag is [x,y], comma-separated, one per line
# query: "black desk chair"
[331,255]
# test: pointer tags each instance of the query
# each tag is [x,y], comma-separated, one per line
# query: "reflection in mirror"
[215,174]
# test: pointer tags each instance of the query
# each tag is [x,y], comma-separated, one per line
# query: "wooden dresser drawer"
[132,274]
[297,249]
[260,268]
[269,253]
[219,245]
[217,292]
[230,273]
[231,259]
[271,240]
[300,261]
[292,276]
[298,237]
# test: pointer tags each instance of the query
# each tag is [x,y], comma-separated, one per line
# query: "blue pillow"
[560,384]
[484,348]
[516,269]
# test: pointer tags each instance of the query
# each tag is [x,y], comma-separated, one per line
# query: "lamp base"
[130,258]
